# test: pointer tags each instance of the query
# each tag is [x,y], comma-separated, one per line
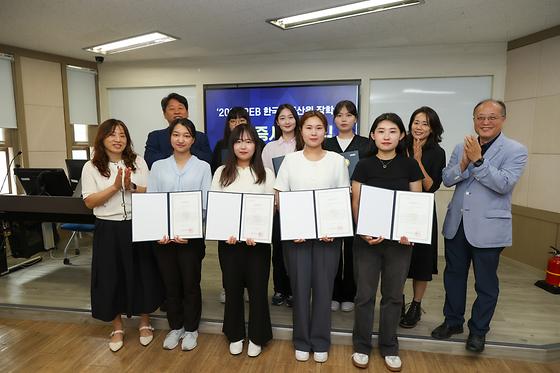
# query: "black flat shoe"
[444,331]
[412,316]
[475,343]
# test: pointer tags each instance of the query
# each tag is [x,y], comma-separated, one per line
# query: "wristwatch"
[479,162]
[133,187]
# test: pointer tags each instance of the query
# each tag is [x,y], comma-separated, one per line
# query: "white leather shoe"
[235,348]
[393,363]
[115,346]
[302,355]
[253,350]
[189,340]
[335,305]
[320,357]
[144,341]
[360,360]
[172,338]
[347,306]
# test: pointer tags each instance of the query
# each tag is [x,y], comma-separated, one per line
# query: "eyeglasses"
[490,118]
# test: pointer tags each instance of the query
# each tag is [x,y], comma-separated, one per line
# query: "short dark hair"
[394,118]
[174,96]
[497,102]
[348,105]
[185,123]
[236,112]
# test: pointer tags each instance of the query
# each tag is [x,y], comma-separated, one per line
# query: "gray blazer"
[482,196]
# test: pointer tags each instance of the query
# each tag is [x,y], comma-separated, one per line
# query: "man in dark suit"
[158,145]
[477,225]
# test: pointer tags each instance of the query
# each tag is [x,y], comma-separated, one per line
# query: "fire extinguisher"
[553,268]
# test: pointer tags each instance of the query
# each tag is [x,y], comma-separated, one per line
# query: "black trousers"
[344,284]
[246,267]
[279,274]
[180,267]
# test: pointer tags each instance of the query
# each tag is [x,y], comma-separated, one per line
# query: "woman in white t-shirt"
[245,264]
[124,276]
[312,264]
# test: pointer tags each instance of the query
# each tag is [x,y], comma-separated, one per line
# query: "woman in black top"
[376,258]
[424,136]
[345,118]
[236,116]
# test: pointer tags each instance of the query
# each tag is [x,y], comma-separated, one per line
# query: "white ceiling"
[221,28]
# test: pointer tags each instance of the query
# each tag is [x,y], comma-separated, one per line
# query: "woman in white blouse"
[287,140]
[124,277]
[312,264]
[245,264]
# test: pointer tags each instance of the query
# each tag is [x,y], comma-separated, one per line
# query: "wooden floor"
[525,315]
[32,346]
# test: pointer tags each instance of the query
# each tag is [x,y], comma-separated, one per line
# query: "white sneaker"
[360,360]
[253,350]
[335,305]
[235,348]
[393,363]
[172,339]
[223,296]
[320,357]
[347,306]
[302,355]
[189,340]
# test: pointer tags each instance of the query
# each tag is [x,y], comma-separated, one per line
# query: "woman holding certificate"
[312,264]
[376,257]
[287,140]
[124,277]
[345,118]
[424,136]
[245,264]
[180,260]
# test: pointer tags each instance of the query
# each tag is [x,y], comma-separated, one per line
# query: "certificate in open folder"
[241,215]
[312,214]
[155,215]
[393,214]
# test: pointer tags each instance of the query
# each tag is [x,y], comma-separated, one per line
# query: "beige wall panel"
[544,178]
[520,121]
[521,191]
[47,159]
[531,241]
[546,132]
[522,72]
[549,76]
[442,197]
[42,82]
[45,128]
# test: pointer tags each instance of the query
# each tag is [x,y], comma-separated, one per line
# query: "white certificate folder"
[312,214]
[393,214]
[155,215]
[239,215]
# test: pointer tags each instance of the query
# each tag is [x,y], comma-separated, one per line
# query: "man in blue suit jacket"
[158,145]
[477,226]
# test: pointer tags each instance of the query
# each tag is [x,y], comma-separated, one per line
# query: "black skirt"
[124,275]
[423,263]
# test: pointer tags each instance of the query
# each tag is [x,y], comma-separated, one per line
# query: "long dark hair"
[393,118]
[236,112]
[434,123]
[229,173]
[100,158]
[278,130]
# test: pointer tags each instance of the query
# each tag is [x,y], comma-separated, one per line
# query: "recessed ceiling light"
[134,42]
[340,12]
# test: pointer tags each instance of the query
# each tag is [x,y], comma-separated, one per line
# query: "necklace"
[386,163]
